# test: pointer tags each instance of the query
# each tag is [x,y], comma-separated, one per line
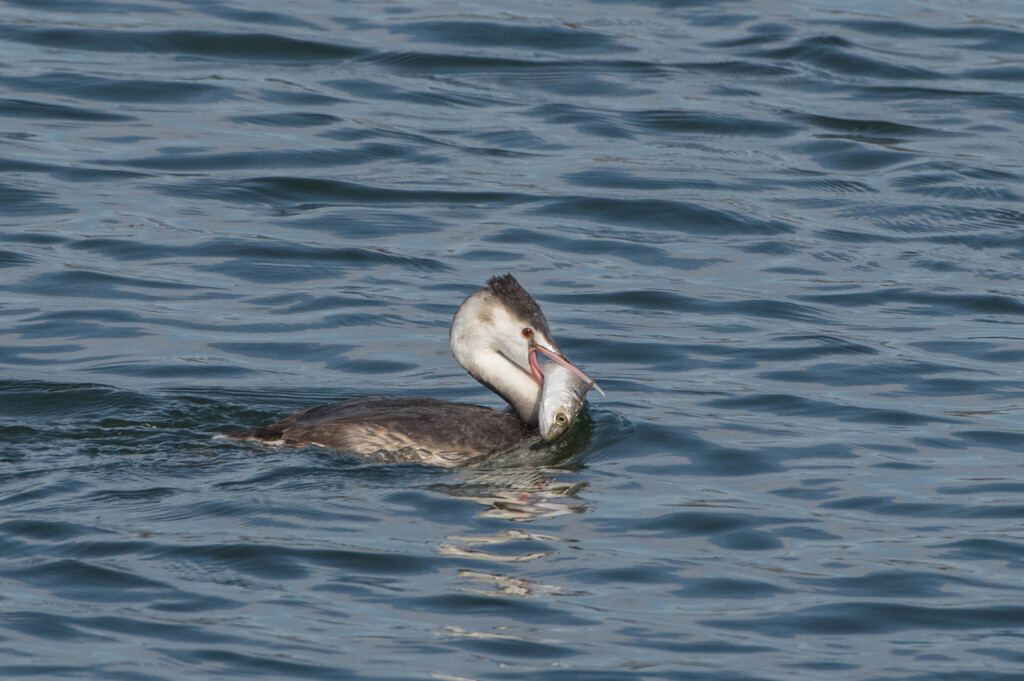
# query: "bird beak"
[538,375]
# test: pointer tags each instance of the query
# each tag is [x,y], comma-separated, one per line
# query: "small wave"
[260,47]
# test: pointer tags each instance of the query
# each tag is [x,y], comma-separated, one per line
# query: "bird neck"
[509,382]
[480,343]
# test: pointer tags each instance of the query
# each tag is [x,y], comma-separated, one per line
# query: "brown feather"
[398,429]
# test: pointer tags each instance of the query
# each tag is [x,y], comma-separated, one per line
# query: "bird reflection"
[527,482]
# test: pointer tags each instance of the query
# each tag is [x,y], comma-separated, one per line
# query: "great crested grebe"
[498,335]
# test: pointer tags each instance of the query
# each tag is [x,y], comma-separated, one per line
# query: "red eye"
[527,332]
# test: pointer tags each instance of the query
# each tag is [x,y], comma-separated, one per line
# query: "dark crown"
[520,303]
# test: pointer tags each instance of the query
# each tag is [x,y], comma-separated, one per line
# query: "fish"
[563,395]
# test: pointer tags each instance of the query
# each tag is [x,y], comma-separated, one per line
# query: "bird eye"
[561,419]
[527,332]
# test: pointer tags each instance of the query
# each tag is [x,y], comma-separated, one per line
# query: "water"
[784,238]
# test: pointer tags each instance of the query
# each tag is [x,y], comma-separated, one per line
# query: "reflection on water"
[489,584]
[522,496]
[528,482]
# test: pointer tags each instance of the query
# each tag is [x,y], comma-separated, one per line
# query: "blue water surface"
[787,239]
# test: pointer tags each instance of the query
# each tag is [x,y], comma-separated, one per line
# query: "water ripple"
[208,44]
[21,108]
[488,34]
[840,56]
[877,618]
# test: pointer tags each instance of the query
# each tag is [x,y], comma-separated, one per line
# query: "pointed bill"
[538,375]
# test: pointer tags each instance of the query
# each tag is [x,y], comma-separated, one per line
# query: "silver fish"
[562,397]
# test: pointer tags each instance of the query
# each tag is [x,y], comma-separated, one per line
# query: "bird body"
[421,429]
[497,335]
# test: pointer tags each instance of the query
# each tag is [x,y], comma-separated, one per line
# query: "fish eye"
[561,419]
[527,332]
